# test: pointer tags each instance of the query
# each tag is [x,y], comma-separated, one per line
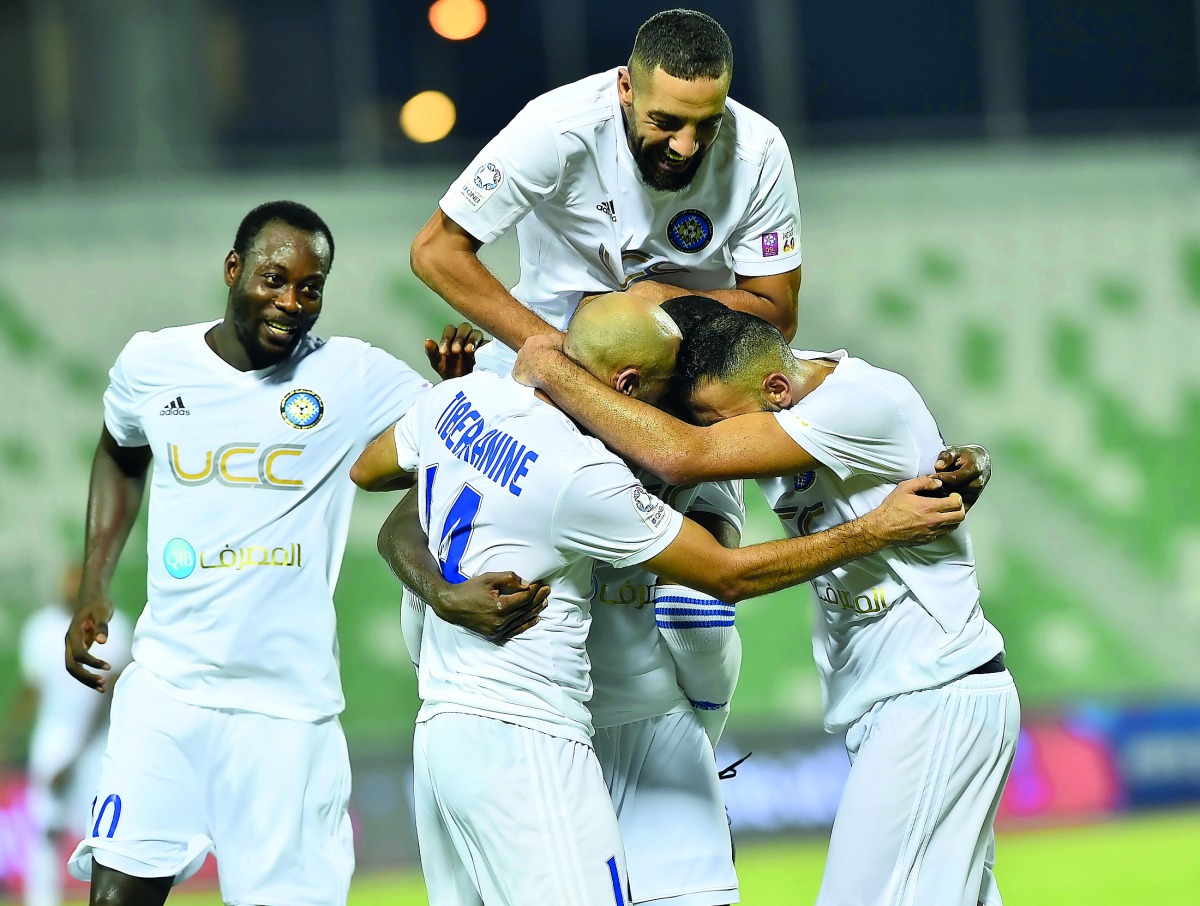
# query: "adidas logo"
[175,407]
[607,207]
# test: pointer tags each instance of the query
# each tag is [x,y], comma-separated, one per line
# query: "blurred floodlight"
[458,19]
[428,116]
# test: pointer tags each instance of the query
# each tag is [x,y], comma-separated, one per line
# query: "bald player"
[505,481]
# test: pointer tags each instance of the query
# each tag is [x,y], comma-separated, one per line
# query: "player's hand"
[964,469]
[454,354]
[536,355]
[88,625]
[497,605]
[909,515]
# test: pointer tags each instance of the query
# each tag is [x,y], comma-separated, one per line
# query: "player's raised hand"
[89,625]
[495,605]
[537,353]
[910,515]
[965,469]
[454,354]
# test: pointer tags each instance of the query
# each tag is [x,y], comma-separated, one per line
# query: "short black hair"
[292,213]
[683,43]
[688,311]
[720,348]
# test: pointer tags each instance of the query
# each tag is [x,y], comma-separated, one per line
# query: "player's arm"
[694,558]
[746,446]
[114,497]
[774,298]
[377,467]
[497,605]
[445,257]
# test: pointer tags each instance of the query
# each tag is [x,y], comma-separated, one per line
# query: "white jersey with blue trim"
[507,482]
[562,172]
[903,619]
[632,669]
[250,497]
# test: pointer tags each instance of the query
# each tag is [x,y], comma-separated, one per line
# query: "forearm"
[763,568]
[459,277]
[404,547]
[783,317]
[647,436]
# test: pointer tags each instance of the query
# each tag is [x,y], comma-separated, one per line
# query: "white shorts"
[508,815]
[267,796]
[915,822]
[662,776]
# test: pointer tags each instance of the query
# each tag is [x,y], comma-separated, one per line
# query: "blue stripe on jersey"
[719,611]
[708,706]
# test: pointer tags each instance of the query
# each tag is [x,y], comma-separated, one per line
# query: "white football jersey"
[66,709]
[507,482]
[250,501]
[903,619]
[633,671]
[563,173]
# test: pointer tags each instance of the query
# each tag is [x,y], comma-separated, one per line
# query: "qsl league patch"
[770,245]
[690,230]
[301,408]
[488,177]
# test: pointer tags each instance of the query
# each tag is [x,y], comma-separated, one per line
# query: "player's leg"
[114,888]
[43,885]
[147,826]
[533,813]
[662,777]
[449,880]
[279,793]
[916,813]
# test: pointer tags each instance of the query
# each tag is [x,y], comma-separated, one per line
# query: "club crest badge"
[690,231]
[804,481]
[301,409]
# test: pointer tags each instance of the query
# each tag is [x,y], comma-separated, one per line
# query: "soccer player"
[910,667]
[67,741]
[225,735]
[506,480]
[647,177]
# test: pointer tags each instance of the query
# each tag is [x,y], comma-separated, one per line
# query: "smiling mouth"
[279,330]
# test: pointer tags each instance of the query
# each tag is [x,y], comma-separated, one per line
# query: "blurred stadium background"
[1001,200]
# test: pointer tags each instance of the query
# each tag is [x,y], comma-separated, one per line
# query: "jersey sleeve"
[854,428]
[604,512]
[121,401]
[407,436]
[767,239]
[517,169]
[722,498]
[389,389]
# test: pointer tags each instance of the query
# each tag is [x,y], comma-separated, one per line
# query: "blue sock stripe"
[718,611]
[693,624]
[708,706]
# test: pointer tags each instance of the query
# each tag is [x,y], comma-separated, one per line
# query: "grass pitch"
[1145,861]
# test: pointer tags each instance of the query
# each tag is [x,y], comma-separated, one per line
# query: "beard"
[648,158]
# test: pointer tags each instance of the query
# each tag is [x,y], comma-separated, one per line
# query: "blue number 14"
[456,530]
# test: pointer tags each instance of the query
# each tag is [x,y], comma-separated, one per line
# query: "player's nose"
[683,142]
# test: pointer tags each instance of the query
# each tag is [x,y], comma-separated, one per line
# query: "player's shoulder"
[167,341]
[754,135]
[578,106]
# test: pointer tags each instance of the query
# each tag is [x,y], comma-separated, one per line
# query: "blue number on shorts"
[616,881]
[456,533]
[115,801]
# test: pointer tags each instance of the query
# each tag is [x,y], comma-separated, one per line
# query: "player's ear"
[627,381]
[625,87]
[777,387]
[233,264]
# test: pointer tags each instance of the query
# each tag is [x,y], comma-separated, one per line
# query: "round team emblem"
[805,480]
[301,408]
[488,177]
[179,557]
[690,230]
